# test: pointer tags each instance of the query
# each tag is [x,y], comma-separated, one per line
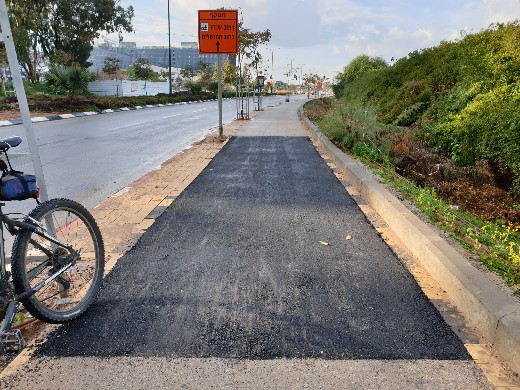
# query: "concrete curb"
[490,309]
[18,121]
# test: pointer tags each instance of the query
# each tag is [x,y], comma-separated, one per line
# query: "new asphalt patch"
[252,261]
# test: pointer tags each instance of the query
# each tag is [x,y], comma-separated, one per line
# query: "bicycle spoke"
[81,251]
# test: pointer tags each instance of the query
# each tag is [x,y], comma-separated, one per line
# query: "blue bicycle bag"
[16,185]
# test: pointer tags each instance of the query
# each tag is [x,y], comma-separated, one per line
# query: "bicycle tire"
[34,258]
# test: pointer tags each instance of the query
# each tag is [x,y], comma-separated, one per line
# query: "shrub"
[462,97]
[71,80]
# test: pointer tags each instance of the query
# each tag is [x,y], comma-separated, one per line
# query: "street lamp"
[301,75]
[169,53]
[272,59]
[291,69]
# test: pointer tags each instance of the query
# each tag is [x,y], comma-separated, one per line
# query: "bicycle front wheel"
[36,258]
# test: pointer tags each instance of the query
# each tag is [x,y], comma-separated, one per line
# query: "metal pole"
[219,68]
[7,37]
[169,52]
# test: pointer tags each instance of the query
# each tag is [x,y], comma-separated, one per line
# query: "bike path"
[252,263]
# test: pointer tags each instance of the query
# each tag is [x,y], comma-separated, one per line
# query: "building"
[127,53]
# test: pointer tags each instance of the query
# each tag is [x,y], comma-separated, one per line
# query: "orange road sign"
[218,32]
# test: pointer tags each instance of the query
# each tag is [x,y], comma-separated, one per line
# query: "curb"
[490,309]
[37,119]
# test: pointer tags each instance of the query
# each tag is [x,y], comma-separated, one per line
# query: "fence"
[127,88]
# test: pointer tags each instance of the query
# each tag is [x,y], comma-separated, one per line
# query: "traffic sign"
[218,32]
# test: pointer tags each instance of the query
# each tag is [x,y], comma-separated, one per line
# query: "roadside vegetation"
[63,104]
[442,125]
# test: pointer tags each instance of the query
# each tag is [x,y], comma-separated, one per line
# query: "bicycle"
[57,261]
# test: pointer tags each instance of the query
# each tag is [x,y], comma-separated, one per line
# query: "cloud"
[498,11]
[334,11]
[382,41]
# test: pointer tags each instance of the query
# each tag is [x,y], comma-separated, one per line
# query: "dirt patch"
[475,189]
[318,108]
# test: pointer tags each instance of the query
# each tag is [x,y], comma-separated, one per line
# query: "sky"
[323,36]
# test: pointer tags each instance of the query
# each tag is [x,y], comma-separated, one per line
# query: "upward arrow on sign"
[218,47]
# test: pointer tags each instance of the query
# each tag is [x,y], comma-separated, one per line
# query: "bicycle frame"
[10,338]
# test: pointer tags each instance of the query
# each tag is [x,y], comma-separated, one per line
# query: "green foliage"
[188,73]
[213,87]
[356,69]
[141,70]
[229,73]
[63,31]
[488,127]
[462,97]
[53,103]
[193,87]
[248,43]
[111,66]
[354,127]
[38,88]
[72,80]
[496,243]
[204,74]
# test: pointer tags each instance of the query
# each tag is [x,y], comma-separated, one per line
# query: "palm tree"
[72,80]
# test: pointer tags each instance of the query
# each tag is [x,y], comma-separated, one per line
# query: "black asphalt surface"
[234,268]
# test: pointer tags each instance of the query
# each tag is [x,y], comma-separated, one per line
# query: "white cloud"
[333,11]
[499,11]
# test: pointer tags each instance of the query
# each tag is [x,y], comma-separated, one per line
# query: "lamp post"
[272,59]
[301,74]
[169,53]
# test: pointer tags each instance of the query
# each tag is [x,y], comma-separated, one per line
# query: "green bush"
[70,80]
[462,97]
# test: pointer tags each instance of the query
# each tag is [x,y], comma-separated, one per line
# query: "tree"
[356,69]
[249,42]
[360,65]
[111,66]
[193,87]
[28,24]
[229,73]
[141,70]
[72,80]
[62,31]
[188,73]
[204,74]
[76,23]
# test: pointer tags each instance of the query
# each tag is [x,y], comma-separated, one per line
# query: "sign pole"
[220,128]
